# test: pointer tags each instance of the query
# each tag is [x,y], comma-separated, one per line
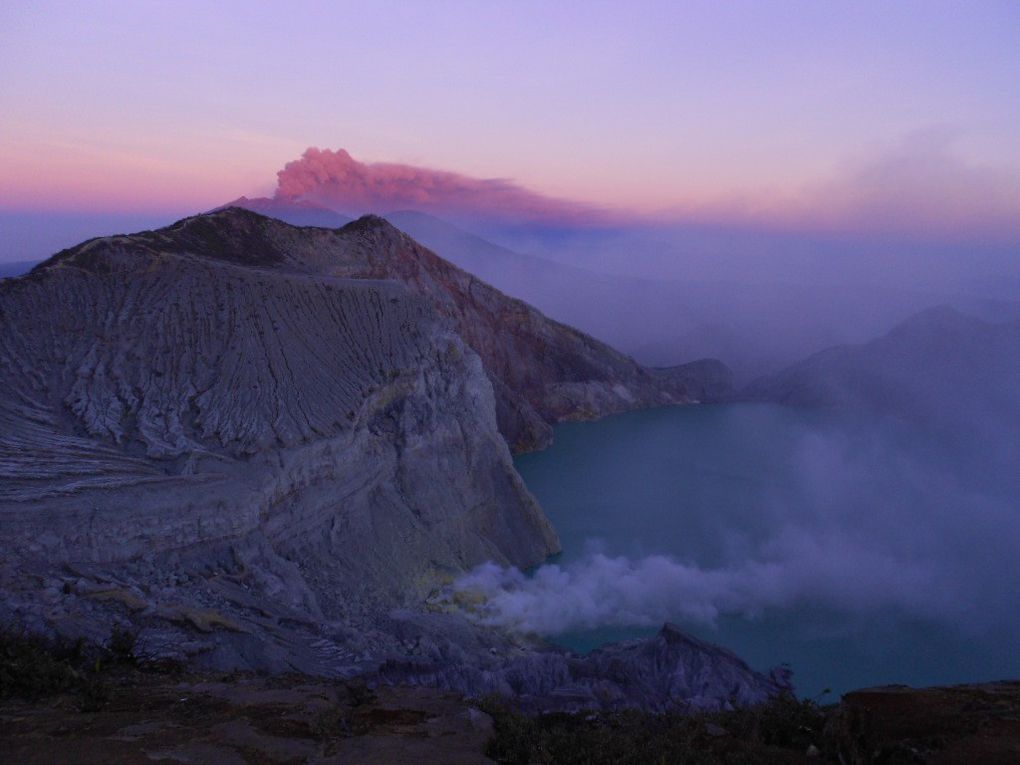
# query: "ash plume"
[337,180]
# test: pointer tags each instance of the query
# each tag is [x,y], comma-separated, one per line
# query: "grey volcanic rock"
[249,443]
[159,392]
[705,380]
[669,672]
[543,372]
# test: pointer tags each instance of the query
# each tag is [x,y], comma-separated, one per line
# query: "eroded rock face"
[153,400]
[543,372]
[248,443]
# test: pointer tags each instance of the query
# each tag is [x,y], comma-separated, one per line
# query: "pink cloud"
[337,180]
[919,186]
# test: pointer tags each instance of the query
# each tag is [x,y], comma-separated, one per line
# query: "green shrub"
[31,667]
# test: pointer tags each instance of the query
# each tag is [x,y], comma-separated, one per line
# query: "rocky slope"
[298,212]
[562,292]
[204,391]
[185,401]
[249,442]
[706,380]
[542,371]
[672,671]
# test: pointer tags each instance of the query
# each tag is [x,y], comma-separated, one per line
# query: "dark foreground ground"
[63,706]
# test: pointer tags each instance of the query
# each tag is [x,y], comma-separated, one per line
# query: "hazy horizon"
[888,123]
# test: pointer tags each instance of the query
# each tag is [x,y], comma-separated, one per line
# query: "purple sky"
[802,113]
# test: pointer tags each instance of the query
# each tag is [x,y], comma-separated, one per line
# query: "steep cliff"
[157,393]
[543,372]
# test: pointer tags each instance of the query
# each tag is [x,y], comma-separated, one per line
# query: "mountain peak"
[371,221]
[232,234]
[936,318]
[376,228]
[231,211]
[297,212]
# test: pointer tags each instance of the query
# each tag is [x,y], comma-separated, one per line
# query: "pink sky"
[919,185]
[800,113]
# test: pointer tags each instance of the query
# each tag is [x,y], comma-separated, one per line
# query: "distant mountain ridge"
[756,327]
[17,267]
[939,366]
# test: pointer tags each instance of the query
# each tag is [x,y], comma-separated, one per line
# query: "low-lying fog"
[852,516]
[906,512]
[830,540]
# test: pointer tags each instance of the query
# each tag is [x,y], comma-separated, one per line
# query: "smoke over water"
[750,511]
[602,591]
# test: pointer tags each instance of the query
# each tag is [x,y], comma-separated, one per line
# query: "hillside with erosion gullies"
[542,371]
[253,446]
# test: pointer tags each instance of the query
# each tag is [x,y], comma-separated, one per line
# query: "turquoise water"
[893,550]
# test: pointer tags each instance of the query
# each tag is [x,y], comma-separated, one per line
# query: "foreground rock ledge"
[209,720]
[223,720]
